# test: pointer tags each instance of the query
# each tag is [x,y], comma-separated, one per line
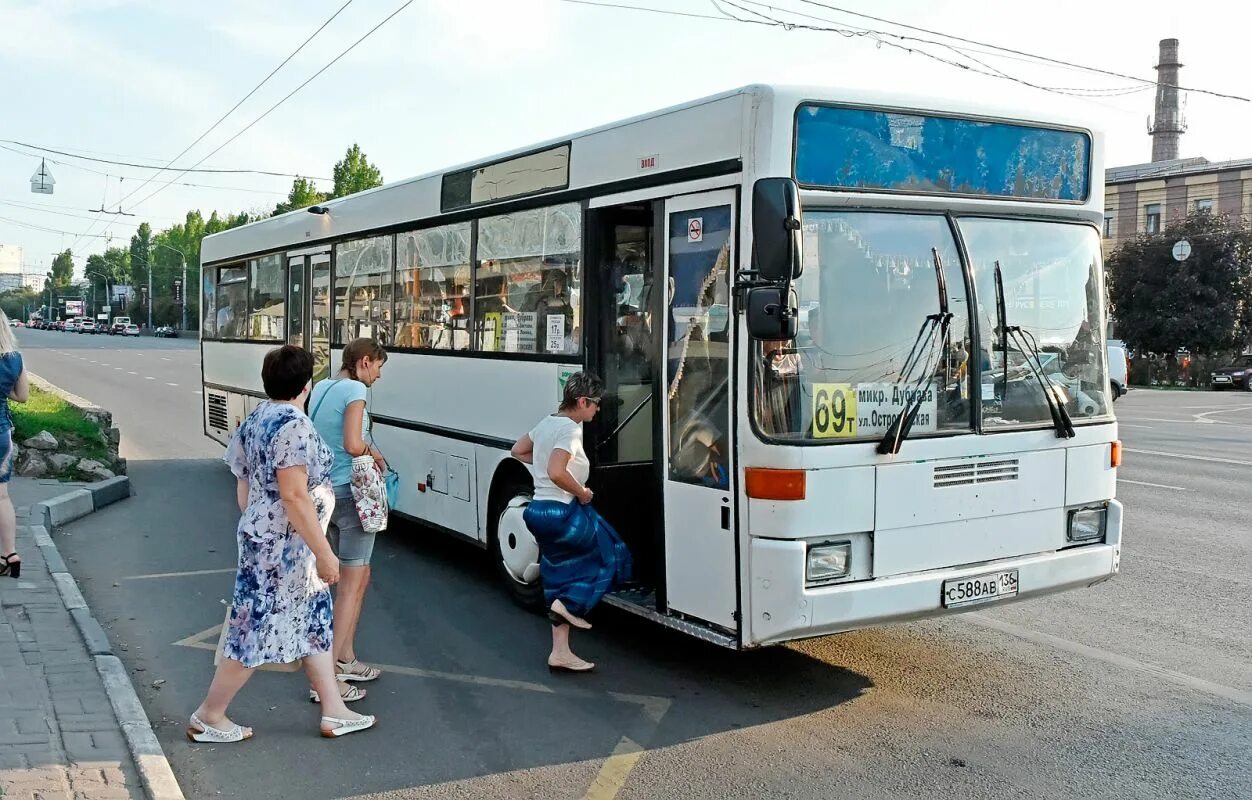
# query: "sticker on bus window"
[844,410]
[556,333]
[834,410]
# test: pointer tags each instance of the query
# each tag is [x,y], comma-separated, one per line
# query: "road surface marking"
[1153,485]
[1189,681]
[156,575]
[132,373]
[171,384]
[1190,457]
[119,369]
[1128,425]
[148,378]
[197,391]
[163,358]
[616,768]
[1205,416]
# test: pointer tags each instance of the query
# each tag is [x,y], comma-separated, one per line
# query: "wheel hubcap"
[519,552]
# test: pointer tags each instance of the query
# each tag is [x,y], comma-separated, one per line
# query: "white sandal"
[354,670]
[199,731]
[345,726]
[347,692]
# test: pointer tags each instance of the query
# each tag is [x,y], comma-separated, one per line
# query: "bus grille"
[217,411]
[974,473]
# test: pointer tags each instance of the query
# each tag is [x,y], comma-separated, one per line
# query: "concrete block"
[94,637]
[109,491]
[154,769]
[63,509]
[68,588]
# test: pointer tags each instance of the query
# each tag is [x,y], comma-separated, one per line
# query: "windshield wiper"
[1028,347]
[941,323]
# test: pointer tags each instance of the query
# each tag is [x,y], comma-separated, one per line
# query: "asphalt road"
[1140,687]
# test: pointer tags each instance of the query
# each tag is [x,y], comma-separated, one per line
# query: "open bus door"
[661,447]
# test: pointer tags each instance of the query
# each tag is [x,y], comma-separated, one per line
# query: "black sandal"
[11,568]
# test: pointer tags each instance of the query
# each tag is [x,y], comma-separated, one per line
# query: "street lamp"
[184,259]
[108,296]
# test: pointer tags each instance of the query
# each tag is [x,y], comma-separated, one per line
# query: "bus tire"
[514,550]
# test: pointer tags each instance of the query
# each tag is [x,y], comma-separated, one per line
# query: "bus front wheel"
[515,551]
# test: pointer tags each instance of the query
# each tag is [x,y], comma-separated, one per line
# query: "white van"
[1119,370]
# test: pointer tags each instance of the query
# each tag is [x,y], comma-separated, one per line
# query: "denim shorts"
[350,541]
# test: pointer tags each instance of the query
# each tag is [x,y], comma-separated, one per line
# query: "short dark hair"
[581,384]
[286,371]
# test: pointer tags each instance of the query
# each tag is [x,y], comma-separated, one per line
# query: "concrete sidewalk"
[59,735]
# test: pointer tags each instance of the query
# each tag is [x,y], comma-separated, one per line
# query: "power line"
[44,229]
[69,165]
[1048,59]
[212,127]
[274,107]
[158,167]
[664,11]
[57,213]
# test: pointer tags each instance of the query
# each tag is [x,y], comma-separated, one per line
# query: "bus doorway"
[624,349]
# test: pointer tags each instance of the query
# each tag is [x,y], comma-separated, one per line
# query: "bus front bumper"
[784,609]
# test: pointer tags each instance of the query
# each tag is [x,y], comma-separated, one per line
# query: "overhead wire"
[292,93]
[1036,56]
[221,119]
[159,168]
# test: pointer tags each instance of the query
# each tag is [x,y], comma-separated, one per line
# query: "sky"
[450,81]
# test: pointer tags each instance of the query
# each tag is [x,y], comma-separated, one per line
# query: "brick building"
[1145,198]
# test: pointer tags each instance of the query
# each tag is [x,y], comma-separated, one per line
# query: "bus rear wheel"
[514,549]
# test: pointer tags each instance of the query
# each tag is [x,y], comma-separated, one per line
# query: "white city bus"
[769,281]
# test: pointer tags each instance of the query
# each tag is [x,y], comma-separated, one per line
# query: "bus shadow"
[655,687]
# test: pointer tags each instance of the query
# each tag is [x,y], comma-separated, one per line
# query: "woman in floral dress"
[281,611]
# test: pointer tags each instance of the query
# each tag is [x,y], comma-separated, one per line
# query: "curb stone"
[154,769]
[71,506]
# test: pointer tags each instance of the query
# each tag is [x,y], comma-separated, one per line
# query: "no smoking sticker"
[695,229]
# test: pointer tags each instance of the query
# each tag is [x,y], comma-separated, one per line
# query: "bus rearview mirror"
[776,236]
[772,314]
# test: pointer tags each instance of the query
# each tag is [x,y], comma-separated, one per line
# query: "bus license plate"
[979,588]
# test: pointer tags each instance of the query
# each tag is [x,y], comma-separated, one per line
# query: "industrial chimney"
[1169,125]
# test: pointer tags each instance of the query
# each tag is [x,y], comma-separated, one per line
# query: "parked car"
[166,332]
[1237,376]
[1119,370]
[130,330]
[86,326]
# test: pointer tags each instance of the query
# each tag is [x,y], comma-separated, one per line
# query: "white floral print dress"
[281,610]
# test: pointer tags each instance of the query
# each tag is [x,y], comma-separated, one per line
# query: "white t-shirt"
[557,433]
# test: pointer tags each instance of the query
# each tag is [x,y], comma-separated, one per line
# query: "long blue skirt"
[580,555]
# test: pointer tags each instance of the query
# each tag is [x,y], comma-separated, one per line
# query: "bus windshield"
[1052,291]
[868,286]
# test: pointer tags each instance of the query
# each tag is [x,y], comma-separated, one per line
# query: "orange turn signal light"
[776,484]
[1115,456]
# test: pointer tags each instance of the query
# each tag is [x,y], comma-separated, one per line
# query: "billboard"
[73,308]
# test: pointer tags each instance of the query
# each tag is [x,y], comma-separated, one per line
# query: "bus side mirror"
[777,242]
[772,314]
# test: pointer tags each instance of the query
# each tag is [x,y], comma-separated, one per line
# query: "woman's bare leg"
[229,678]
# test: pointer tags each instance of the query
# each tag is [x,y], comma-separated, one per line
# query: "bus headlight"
[1087,524]
[828,562]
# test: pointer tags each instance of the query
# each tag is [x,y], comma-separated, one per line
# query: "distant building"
[10,259]
[1145,198]
[10,281]
[34,280]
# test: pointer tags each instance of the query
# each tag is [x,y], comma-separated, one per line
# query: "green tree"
[1203,304]
[21,303]
[62,270]
[303,194]
[355,173]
